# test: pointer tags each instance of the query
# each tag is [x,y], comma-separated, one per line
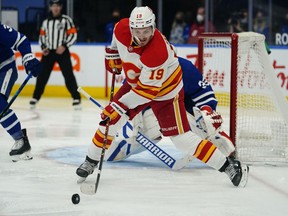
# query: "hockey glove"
[113,61]
[212,119]
[113,112]
[31,64]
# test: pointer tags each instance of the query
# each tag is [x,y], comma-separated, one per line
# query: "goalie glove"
[113,61]
[207,121]
[212,119]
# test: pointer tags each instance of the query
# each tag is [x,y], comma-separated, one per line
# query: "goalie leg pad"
[195,127]
[151,126]
[125,144]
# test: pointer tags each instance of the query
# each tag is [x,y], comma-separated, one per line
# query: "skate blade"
[25,156]
[88,188]
[245,173]
[81,180]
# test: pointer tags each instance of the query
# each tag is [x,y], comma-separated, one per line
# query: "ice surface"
[139,186]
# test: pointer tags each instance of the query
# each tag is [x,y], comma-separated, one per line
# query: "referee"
[57,34]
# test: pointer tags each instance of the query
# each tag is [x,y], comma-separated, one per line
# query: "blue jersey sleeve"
[198,92]
[14,40]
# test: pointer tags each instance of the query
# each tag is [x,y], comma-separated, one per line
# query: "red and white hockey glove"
[113,112]
[212,118]
[113,61]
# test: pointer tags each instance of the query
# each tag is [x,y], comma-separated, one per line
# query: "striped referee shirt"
[56,32]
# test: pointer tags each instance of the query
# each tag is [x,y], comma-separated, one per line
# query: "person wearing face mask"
[260,24]
[198,26]
[116,16]
[284,26]
[179,30]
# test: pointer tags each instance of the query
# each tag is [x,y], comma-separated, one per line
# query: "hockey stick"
[147,143]
[15,95]
[91,189]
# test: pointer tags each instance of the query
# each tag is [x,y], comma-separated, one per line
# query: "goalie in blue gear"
[200,103]
[12,40]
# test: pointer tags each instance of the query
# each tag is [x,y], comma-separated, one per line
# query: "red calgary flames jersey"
[153,71]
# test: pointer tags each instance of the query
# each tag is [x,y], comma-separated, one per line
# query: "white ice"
[140,186]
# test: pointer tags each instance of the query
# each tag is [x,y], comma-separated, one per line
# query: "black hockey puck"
[75,198]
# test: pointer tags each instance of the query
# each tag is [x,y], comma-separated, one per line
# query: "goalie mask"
[140,20]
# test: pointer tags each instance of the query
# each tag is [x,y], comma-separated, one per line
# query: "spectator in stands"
[244,19]
[179,30]
[284,26]
[260,24]
[116,16]
[198,26]
[234,23]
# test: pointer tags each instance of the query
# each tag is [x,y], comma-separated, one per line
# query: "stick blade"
[88,188]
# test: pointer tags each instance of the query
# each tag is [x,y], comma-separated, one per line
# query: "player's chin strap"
[147,143]
[136,40]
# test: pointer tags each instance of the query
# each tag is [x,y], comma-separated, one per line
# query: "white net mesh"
[261,132]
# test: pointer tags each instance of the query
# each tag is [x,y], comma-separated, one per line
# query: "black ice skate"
[21,149]
[237,173]
[86,168]
[33,103]
[76,104]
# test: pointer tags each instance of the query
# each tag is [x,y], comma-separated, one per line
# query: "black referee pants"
[65,64]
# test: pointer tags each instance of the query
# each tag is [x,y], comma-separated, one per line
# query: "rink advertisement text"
[89,68]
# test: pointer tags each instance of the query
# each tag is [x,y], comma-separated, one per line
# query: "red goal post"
[256,108]
[234,52]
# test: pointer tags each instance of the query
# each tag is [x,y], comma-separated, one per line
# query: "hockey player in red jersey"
[154,78]
[198,94]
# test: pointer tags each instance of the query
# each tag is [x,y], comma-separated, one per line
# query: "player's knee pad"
[186,142]
[223,143]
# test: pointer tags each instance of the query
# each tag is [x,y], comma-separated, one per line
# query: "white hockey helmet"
[142,17]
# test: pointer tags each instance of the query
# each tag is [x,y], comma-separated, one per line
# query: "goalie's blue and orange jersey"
[153,71]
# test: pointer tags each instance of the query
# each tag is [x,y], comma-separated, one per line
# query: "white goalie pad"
[151,126]
[125,143]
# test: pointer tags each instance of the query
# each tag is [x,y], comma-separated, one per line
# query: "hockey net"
[248,92]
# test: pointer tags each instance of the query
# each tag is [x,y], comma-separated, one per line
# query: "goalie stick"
[147,143]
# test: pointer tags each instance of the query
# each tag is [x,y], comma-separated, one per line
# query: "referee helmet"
[51,2]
